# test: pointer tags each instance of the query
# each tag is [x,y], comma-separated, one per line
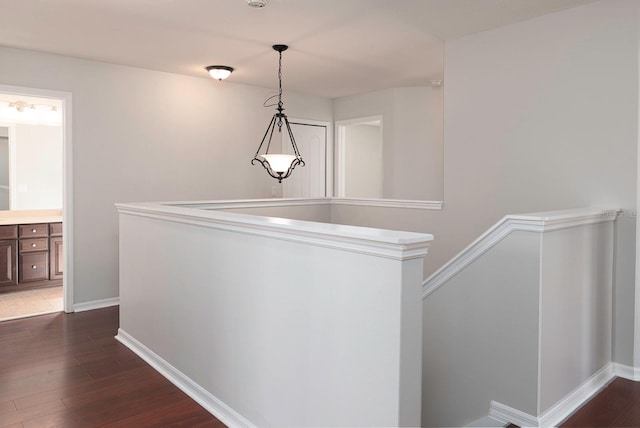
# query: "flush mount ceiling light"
[257,3]
[279,166]
[219,72]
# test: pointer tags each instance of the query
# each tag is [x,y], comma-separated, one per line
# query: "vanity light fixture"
[219,72]
[20,105]
[278,166]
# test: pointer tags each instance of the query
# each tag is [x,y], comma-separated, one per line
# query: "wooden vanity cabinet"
[8,255]
[56,259]
[30,256]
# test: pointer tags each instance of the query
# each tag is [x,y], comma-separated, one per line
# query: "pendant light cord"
[280,108]
[280,82]
[279,105]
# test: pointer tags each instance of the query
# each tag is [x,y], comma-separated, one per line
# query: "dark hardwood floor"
[68,371]
[618,405]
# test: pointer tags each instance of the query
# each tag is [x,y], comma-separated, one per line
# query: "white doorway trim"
[12,161]
[636,315]
[341,147]
[67,192]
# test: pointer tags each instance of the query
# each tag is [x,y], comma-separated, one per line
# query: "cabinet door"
[33,266]
[56,258]
[8,258]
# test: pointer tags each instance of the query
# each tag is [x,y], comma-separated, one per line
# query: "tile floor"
[27,303]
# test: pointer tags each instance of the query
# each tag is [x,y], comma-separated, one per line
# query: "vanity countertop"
[30,216]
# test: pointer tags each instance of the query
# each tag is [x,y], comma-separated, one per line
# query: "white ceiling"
[337,47]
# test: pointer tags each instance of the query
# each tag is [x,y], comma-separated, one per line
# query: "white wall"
[530,126]
[315,325]
[38,167]
[418,143]
[575,308]
[412,138]
[363,173]
[141,135]
[462,371]
[523,322]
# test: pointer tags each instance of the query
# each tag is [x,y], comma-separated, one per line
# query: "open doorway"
[359,169]
[34,194]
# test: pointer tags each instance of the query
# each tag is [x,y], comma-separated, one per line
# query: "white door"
[309,181]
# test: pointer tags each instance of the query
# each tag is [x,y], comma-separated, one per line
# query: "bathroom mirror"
[31,153]
[30,167]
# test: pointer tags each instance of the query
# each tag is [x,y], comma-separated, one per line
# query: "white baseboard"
[486,422]
[212,404]
[508,415]
[627,372]
[576,398]
[559,411]
[96,304]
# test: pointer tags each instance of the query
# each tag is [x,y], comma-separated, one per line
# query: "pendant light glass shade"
[278,165]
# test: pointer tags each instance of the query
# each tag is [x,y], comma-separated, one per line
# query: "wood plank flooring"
[618,405]
[67,370]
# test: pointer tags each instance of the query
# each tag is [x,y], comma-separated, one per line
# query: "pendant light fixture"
[278,166]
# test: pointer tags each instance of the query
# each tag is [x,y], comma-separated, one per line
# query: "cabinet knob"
[34,230]
[33,245]
[34,267]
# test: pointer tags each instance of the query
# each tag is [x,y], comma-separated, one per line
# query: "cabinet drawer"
[55,229]
[33,267]
[33,244]
[33,230]
[9,232]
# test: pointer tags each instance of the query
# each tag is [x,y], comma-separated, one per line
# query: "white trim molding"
[249,203]
[536,222]
[576,398]
[561,410]
[486,422]
[390,244]
[627,372]
[96,304]
[212,404]
[390,203]
[508,415]
[290,202]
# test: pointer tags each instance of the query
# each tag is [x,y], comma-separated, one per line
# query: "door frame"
[67,177]
[12,157]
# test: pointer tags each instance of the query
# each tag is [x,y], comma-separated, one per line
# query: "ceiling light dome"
[257,3]
[219,72]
